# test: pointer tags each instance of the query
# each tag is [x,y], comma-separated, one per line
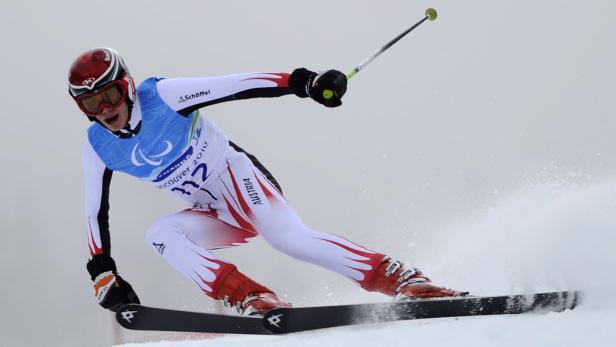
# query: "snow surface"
[554,236]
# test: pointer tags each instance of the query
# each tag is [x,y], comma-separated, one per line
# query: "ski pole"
[430,14]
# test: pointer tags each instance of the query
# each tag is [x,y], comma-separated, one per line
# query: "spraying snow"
[552,236]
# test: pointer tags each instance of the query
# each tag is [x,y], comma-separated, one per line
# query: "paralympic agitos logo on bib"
[187,97]
[138,158]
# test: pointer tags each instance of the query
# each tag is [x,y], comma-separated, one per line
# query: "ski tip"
[431,14]
[576,299]
[127,315]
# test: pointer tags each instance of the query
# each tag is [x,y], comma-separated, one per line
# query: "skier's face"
[114,118]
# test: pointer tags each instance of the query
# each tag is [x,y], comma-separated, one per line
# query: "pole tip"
[431,14]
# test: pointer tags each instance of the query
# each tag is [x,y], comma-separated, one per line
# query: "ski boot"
[246,296]
[392,279]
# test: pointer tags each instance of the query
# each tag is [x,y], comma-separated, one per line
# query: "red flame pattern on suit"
[372,260]
[268,194]
[281,81]
[238,218]
[94,248]
[210,287]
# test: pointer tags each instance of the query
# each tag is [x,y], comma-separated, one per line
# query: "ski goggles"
[112,95]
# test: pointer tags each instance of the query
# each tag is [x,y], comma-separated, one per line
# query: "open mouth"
[111,120]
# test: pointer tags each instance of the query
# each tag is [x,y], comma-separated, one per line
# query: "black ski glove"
[305,83]
[111,290]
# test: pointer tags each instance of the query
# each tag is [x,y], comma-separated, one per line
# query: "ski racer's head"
[102,87]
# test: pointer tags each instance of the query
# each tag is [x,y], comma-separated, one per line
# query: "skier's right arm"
[110,290]
[185,95]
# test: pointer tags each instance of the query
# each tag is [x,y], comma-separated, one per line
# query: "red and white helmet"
[95,69]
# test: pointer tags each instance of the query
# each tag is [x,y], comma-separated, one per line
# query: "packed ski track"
[557,235]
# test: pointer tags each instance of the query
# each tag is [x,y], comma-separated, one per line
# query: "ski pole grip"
[328,94]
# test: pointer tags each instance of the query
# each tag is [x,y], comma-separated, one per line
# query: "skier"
[156,133]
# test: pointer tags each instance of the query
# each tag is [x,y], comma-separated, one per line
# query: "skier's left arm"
[185,95]
[110,289]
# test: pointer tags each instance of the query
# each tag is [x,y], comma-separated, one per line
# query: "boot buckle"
[392,267]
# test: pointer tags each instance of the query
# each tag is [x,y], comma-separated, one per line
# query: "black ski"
[139,317]
[288,320]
